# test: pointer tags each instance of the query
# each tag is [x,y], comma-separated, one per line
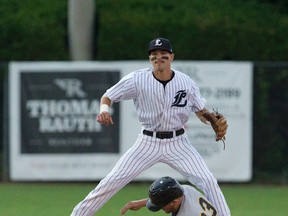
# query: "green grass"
[58,199]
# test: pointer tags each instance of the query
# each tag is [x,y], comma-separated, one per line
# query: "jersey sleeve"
[198,102]
[123,90]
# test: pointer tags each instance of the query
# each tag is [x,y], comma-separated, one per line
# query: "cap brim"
[152,207]
[149,51]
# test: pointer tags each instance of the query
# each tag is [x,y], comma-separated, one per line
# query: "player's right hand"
[133,205]
[105,118]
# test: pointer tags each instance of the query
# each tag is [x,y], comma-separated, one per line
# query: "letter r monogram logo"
[72,87]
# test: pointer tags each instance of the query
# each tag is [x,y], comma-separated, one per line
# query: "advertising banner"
[54,134]
[58,112]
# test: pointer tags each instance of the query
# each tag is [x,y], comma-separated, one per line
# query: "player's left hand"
[222,126]
[218,123]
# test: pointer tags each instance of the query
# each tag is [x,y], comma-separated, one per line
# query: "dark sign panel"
[58,113]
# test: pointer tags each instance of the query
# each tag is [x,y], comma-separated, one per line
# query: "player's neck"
[163,75]
[177,206]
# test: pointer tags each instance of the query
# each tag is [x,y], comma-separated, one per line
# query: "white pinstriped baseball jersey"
[195,204]
[159,108]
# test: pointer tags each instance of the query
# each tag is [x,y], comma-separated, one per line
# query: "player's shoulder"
[188,189]
[140,72]
[136,73]
[183,77]
[143,71]
[181,74]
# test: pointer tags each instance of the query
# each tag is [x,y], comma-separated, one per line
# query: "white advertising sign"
[52,136]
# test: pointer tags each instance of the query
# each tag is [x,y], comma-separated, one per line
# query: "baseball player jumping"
[181,200]
[164,99]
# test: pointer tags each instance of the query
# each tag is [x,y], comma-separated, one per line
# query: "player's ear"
[172,56]
[149,58]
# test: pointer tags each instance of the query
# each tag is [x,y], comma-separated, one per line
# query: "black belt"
[164,134]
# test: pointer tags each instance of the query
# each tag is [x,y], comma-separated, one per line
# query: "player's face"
[171,207]
[161,60]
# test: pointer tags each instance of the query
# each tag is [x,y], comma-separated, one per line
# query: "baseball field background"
[58,199]
[220,30]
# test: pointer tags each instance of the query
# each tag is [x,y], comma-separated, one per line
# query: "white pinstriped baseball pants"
[176,152]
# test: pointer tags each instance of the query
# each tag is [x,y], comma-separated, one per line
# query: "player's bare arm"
[104,116]
[133,205]
[200,115]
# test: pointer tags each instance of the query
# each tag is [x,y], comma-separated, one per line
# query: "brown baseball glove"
[218,123]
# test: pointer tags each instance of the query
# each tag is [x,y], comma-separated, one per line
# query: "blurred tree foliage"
[33,30]
[270,130]
[199,30]
[280,4]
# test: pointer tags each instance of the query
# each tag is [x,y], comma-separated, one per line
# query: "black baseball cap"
[162,192]
[160,43]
